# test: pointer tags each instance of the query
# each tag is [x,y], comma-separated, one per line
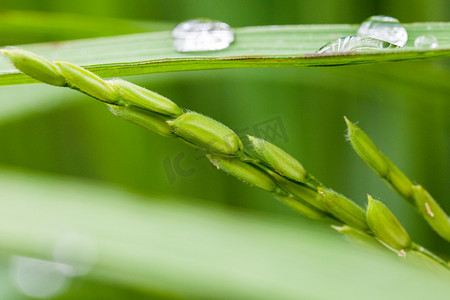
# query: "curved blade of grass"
[266,46]
[198,252]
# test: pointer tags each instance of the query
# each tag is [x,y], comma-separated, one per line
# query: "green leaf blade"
[264,46]
[198,251]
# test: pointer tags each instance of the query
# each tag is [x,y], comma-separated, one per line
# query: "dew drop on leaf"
[202,35]
[354,44]
[427,41]
[384,28]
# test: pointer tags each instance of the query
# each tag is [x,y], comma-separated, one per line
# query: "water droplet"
[202,35]
[354,44]
[384,28]
[427,41]
[38,278]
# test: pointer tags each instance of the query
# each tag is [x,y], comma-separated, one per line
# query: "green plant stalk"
[385,168]
[432,212]
[369,240]
[223,146]
[429,254]
[304,209]
[358,236]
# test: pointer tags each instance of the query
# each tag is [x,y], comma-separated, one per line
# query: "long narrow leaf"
[199,252]
[267,46]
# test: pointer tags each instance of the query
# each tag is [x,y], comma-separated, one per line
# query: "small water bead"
[38,278]
[355,44]
[427,41]
[384,28]
[202,35]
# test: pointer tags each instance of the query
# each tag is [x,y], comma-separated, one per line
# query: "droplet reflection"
[384,28]
[354,44]
[427,41]
[202,35]
[74,254]
[38,278]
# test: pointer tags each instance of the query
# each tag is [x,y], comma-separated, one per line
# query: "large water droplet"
[38,278]
[202,35]
[384,28]
[354,44]
[427,41]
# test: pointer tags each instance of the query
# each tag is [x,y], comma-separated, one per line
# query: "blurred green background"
[404,107]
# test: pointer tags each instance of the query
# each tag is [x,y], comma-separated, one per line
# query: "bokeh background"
[404,107]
